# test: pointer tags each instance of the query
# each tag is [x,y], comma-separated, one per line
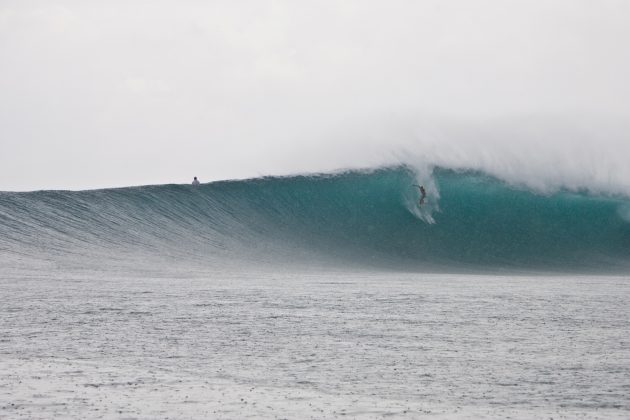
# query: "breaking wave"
[471,222]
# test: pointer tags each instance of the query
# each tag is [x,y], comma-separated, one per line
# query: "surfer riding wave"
[423,194]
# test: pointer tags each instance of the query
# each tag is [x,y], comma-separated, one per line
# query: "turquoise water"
[317,296]
[370,219]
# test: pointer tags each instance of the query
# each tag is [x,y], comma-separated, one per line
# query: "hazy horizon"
[131,93]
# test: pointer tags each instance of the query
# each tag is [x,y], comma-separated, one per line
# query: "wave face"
[470,222]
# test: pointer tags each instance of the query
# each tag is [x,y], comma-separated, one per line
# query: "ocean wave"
[369,219]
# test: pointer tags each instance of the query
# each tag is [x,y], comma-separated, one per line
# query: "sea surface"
[315,346]
[324,296]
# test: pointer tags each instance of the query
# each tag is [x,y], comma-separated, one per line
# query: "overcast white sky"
[114,93]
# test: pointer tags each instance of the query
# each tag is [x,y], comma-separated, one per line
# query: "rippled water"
[327,345]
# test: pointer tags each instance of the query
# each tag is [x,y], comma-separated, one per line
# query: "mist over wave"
[371,219]
[545,154]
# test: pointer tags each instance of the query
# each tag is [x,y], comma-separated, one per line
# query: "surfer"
[195,181]
[423,194]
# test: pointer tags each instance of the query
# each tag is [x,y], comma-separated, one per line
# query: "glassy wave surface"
[469,222]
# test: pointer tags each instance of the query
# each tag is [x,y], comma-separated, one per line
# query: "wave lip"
[371,219]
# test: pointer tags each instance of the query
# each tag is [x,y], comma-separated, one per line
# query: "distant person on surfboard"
[195,181]
[423,194]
